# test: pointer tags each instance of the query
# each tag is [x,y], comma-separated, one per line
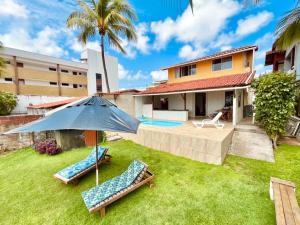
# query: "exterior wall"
[214,101]
[204,68]
[16,141]
[95,65]
[139,102]
[126,102]
[25,100]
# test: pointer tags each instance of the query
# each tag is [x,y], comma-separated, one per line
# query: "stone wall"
[16,141]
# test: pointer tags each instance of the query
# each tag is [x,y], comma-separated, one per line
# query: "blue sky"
[167,32]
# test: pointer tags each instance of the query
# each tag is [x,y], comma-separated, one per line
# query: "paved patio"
[207,144]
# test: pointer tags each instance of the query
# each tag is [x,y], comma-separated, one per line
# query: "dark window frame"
[219,64]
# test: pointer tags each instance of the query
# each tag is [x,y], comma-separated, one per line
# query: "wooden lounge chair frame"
[105,159]
[147,179]
[286,206]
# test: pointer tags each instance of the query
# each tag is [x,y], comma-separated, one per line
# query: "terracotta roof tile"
[53,104]
[235,80]
[216,55]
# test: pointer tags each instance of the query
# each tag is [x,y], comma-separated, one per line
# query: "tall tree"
[2,62]
[111,19]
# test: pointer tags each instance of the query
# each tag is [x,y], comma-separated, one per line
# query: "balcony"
[73,79]
[74,92]
[8,87]
[38,90]
[31,74]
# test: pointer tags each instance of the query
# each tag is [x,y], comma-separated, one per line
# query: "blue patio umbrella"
[93,113]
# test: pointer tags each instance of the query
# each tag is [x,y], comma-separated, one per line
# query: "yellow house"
[203,87]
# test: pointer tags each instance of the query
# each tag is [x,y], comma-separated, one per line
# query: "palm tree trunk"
[104,63]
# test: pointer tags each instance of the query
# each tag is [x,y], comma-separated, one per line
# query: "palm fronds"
[288,29]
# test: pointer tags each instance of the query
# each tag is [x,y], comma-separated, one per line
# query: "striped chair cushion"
[98,194]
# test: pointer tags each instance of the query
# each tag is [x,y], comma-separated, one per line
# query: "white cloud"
[209,18]
[253,23]
[79,47]
[44,42]
[188,52]
[262,69]
[158,75]
[12,8]
[226,47]
[245,27]
[125,74]
[141,45]
[264,44]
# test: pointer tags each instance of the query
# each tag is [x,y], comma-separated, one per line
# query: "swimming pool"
[160,123]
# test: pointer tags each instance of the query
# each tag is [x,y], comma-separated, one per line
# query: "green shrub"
[8,102]
[274,102]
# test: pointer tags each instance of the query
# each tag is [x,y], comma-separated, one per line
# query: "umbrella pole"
[97,179]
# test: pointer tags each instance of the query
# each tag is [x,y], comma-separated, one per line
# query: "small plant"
[48,146]
[8,102]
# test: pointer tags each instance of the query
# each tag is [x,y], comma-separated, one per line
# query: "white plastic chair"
[212,122]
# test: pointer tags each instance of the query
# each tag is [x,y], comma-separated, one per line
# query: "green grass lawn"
[186,192]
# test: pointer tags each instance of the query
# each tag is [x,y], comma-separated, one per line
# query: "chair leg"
[150,184]
[102,212]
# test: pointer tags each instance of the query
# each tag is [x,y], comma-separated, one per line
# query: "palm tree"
[288,29]
[2,62]
[111,19]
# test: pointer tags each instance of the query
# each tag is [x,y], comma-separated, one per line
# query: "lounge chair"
[213,122]
[97,198]
[79,169]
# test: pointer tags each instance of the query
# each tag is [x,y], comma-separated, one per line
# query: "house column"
[184,100]
[234,108]
[58,79]
[16,75]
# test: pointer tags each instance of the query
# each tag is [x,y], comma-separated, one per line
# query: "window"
[65,71]
[75,86]
[21,81]
[74,73]
[79,73]
[222,64]
[64,84]
[98,76]
[228,98]
[19,64]
[52,69]
[185,71]
[8,79]
[53,83]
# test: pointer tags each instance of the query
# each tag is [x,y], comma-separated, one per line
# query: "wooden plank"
[284,182]
[287,208]
[294,204]
[280,220]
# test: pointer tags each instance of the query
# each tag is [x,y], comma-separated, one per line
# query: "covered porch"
[234,103]
[230,94]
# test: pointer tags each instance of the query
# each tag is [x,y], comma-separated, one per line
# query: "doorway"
[200,104]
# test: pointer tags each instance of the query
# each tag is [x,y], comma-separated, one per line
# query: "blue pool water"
[160,123]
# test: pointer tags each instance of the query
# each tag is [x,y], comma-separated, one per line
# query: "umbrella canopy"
[93,113]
